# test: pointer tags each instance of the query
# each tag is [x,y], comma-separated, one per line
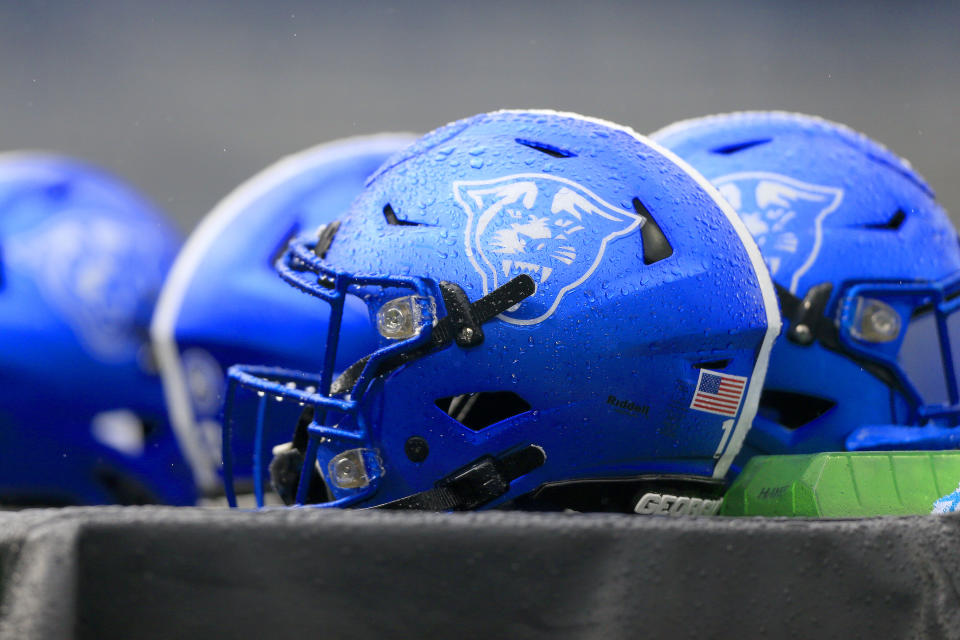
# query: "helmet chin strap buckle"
[467,331]
[464,321]
[483,480]
[805,315]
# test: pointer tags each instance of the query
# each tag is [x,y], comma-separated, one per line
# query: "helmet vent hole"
[894,223]
[656,247]
[391,217]
[550,150]
[477,411]
[713,365]
[730,149]
[793,410]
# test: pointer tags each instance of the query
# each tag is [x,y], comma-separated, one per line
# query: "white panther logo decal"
[99,272]
[778,211]
[550,228]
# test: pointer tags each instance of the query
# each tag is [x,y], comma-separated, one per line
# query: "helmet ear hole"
[477,411]
[793,410]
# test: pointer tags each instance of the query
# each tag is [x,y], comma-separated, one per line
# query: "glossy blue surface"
[81,407]
[553,196]
[828,205]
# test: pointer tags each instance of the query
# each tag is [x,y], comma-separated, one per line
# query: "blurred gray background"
[188,99]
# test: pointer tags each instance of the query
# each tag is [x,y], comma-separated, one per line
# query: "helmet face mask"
[429,317]
[539,317]
[875,320]
[919,356]
[230,257]
[867,270]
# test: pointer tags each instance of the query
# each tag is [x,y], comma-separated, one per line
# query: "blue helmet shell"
[82,419]
[845,224]
[223,302]
[601,369]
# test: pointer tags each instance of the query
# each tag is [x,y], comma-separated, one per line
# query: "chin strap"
[462,324]
[287,464]
[807,321]
[476,484]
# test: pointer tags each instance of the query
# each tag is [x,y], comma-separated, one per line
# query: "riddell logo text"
[664,504]
[626,405]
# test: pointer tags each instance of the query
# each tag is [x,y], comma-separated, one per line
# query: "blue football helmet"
[223,302]
[556,304]
[82,419]
[867,269]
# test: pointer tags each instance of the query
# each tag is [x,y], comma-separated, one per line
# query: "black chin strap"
[476,484]
[809,324]
[287,464]
[807,321]
[463,324]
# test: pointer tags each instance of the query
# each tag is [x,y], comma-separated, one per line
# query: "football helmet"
[223,302]
[81,406]
[867,269]
[555,300]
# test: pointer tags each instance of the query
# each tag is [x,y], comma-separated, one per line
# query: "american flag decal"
[718,393]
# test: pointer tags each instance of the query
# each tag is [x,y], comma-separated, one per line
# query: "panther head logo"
[548,227]
[89,269]
[785,217]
